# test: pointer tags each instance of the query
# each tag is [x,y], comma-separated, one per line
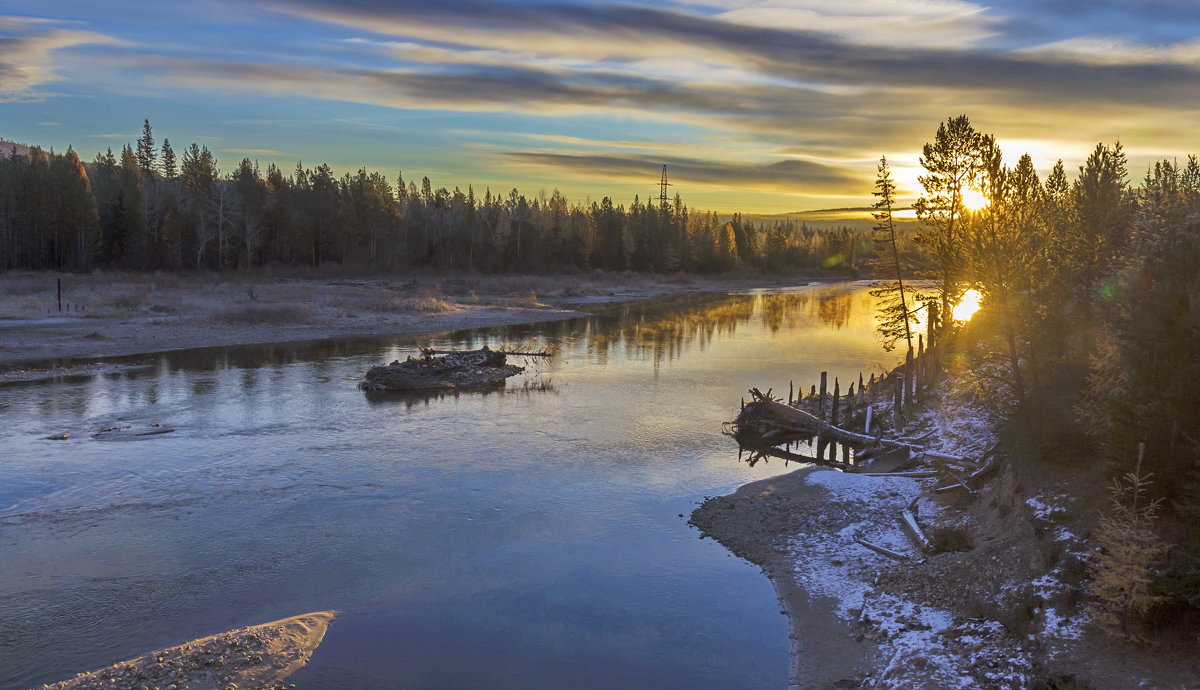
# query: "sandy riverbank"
[259,656]
[107,316]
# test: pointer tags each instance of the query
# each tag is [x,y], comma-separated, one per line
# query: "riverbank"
[259,656]
[999,602]
[117,315]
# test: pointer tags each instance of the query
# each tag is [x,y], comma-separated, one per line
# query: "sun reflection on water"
[967,306]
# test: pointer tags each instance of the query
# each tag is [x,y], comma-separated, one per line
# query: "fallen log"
[801,421]
[509,353]
[882,550]
[910,475]
[954,475]
[909,520]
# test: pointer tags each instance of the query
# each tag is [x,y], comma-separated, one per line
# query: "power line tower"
[662,189]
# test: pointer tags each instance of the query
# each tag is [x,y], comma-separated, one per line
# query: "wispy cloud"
[28,46]
[791,176]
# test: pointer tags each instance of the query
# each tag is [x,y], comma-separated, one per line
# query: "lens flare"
[967,306]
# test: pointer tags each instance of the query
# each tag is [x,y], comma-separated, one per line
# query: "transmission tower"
[662,189]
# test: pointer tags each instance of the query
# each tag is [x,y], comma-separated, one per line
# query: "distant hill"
[855,217]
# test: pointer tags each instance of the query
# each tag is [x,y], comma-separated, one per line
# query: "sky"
[762,106]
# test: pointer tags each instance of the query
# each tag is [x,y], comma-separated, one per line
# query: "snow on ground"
[919,646]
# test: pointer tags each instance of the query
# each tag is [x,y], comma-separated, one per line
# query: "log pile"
[450,370]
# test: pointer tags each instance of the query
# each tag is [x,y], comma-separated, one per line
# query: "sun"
[967,306]
[973,200]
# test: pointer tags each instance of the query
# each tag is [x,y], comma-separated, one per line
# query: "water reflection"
[533,528]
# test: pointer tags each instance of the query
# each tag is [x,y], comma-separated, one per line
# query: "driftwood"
[508,353]
[793,419]
[463,369]
[882,550]
[910,475]
[909,520]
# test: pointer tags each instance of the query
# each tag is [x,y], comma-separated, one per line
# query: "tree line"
[1091,301]
[149,208]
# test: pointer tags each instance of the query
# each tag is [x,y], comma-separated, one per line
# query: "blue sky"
[755,105]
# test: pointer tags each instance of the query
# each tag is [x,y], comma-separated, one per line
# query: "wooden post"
[867,427]
[933,322]
[910,376]
[821,407]
[790,392]
[898,405]
[60,294]
[813,393]
[850,400]
[874,393]
[862,393]
[837,394]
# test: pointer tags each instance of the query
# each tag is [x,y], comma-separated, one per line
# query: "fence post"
[821,401]
[837,389]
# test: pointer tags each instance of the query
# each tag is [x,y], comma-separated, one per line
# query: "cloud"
[790,176]
[1111,50]
[925,23]
[27,55]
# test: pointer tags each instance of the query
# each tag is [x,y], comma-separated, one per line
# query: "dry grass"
[410,305]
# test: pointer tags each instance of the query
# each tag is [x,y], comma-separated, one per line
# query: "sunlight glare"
[973,200]
[967,306]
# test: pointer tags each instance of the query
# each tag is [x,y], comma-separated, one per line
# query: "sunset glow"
[754,106]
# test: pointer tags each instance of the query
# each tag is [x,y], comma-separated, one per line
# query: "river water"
[532,537]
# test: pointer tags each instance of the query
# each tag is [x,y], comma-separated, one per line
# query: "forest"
[1088,340]
[148,209]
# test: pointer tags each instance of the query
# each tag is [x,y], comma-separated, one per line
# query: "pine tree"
[894,317]
[168,166]
[954,162]
[145,150]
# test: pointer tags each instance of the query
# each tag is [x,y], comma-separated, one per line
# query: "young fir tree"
[1130,554]
[894,317]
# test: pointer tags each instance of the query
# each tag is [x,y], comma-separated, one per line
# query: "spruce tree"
[168,165]
[145,150]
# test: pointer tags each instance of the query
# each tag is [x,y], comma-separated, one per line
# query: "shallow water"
[532,537]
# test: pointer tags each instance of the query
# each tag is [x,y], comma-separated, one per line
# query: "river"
[532,537]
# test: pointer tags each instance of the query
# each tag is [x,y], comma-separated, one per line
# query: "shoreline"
[877,620]
[1000,601]
[143,315]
